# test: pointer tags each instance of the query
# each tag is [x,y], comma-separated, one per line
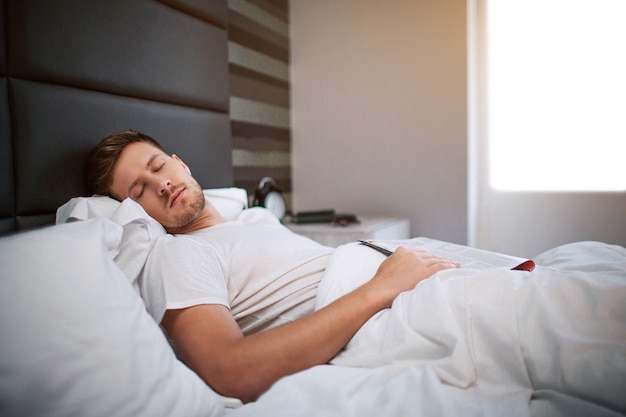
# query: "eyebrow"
[134,183]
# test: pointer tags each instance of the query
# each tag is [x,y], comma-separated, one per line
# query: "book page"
[470,258]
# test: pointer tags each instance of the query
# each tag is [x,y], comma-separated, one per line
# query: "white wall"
[379,119]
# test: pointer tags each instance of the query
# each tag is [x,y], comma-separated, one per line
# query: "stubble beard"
[194,208]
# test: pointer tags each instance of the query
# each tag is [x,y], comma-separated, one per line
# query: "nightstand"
[370,227]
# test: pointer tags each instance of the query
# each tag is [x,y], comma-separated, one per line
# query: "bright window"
[557,94]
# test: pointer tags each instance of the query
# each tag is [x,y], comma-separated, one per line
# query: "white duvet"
[551,342]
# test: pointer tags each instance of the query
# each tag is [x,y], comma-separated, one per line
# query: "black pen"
[384,251]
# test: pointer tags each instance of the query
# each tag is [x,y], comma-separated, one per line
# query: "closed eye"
[159,167]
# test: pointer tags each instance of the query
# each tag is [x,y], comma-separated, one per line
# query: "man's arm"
[211,343]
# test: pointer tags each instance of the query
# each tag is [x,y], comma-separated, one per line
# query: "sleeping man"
[240,295]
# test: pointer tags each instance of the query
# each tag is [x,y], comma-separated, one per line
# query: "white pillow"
[229,201]
[140,233]
[75,339]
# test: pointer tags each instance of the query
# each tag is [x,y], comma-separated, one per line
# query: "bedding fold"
[503,338]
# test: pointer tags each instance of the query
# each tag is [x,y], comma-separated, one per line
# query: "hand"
[404,269]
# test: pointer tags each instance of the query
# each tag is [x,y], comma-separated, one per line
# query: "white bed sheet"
[493,343]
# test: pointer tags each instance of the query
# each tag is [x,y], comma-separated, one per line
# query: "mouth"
[176,196]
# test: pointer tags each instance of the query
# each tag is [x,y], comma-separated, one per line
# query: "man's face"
[160,183]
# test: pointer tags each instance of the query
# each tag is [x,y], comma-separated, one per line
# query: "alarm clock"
[269,196]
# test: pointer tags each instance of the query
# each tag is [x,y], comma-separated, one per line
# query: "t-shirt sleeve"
[189,273]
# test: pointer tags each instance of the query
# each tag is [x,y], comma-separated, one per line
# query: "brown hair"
[102,159]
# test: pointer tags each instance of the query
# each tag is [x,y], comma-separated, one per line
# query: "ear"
[175,157]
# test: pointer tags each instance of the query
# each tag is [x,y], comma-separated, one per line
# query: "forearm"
[261,359]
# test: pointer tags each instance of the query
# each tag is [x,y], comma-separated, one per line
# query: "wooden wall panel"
[258,45]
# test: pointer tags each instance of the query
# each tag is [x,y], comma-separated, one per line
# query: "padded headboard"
[73,71]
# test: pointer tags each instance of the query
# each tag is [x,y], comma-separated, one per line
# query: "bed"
[75,336]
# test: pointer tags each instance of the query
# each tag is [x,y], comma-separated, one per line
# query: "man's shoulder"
[171,250]
[181,241]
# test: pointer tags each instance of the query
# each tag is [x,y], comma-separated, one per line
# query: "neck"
[207,218]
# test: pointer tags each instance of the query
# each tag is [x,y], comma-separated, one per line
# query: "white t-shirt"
[264,273]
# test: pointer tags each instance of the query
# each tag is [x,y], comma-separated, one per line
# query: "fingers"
[405,268]
[442,265]
[427,259]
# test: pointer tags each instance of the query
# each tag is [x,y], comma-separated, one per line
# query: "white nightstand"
[369,228]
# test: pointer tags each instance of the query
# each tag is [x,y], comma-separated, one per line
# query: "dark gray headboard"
[73,71]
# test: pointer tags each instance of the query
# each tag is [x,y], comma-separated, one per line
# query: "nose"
[164,186]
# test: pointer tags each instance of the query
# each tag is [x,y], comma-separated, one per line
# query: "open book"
[470,258]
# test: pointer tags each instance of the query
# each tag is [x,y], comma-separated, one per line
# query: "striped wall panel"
[258,54]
